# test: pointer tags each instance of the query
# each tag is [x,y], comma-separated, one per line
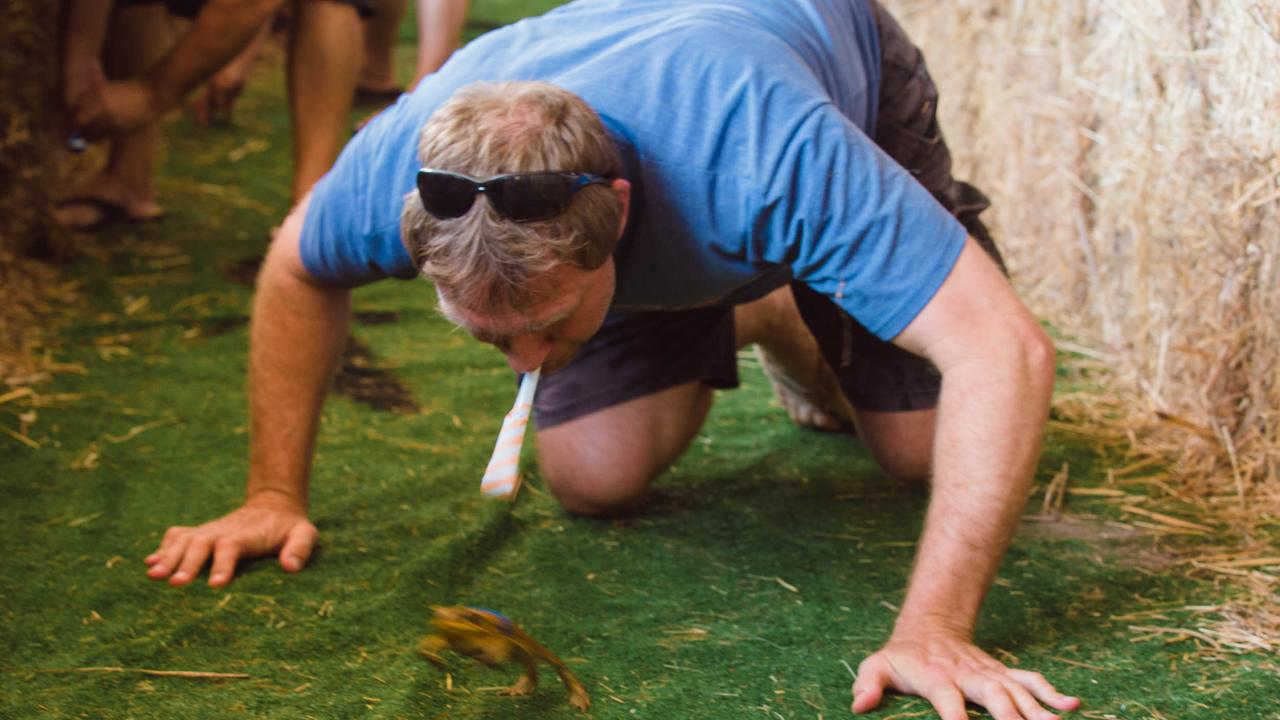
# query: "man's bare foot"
[802,381]
[813,399]
[104,200]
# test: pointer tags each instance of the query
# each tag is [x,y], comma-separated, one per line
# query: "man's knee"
[909,469]
[602,464]
[595,490]
[900,442]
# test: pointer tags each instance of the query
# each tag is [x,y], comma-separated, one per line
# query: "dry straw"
[1133,152]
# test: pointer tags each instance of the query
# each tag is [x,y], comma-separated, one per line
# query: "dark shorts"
[190,8]
[634,355]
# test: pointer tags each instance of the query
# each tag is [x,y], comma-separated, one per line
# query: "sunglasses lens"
[446,196]
[531,197]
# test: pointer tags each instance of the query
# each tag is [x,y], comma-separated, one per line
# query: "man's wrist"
[916,625]
[276,497]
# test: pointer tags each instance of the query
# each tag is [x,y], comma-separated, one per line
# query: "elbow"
[1039,359]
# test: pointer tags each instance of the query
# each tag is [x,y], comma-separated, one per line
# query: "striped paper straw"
[502,477]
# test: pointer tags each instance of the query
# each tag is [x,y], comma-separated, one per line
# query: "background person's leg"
[214,105]
[138,35]
[440,24]
[378,74]
[325,49]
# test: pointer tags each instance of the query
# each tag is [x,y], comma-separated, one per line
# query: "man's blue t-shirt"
[743,127]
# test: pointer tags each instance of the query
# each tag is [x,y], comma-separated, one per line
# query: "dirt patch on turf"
[216,326]
[359,377]
[362,380]
[244,271]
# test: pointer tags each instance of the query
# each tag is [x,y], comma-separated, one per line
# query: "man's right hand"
[118,107]
[260,527]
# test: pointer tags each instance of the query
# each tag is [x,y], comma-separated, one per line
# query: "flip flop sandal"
[373,96]
[108,213]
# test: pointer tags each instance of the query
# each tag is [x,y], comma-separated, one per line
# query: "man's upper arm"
[284,256]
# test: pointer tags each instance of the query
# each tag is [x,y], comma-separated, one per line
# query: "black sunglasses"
[522,197]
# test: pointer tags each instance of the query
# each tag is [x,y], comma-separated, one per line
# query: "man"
[709,182]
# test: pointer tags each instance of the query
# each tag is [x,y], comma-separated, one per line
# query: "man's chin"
[555,365]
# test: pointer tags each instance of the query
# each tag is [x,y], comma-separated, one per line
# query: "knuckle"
[993,688]
[937,672]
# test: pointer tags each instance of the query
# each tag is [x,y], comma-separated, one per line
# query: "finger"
[947,699]
[226,553]
[192,560]
[868,688]
[297,547]
[995,698]
[1027,704]
[1044,691]
[170,552]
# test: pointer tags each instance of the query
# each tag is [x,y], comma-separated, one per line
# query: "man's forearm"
[296,341]
[86,25]
[221,30]
[991,418]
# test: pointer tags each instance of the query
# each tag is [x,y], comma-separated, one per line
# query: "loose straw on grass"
[190,674]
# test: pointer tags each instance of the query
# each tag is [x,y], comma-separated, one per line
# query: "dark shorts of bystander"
[639,354]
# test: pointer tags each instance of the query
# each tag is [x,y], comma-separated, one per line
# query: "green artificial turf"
[768,565]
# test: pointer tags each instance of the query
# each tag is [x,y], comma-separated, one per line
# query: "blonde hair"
[483,260]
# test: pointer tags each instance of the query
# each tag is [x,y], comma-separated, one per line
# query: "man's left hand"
[947,670]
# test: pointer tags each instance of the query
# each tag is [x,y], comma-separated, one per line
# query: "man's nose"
[526,353]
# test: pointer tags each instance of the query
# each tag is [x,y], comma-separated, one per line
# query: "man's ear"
[623,189]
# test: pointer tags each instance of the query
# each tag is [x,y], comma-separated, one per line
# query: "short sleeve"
[351,232]
[857,227]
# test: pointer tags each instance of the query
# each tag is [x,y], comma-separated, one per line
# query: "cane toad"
[492,638]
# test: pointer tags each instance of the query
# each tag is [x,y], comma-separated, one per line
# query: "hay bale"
[1133,154]
[28,83]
